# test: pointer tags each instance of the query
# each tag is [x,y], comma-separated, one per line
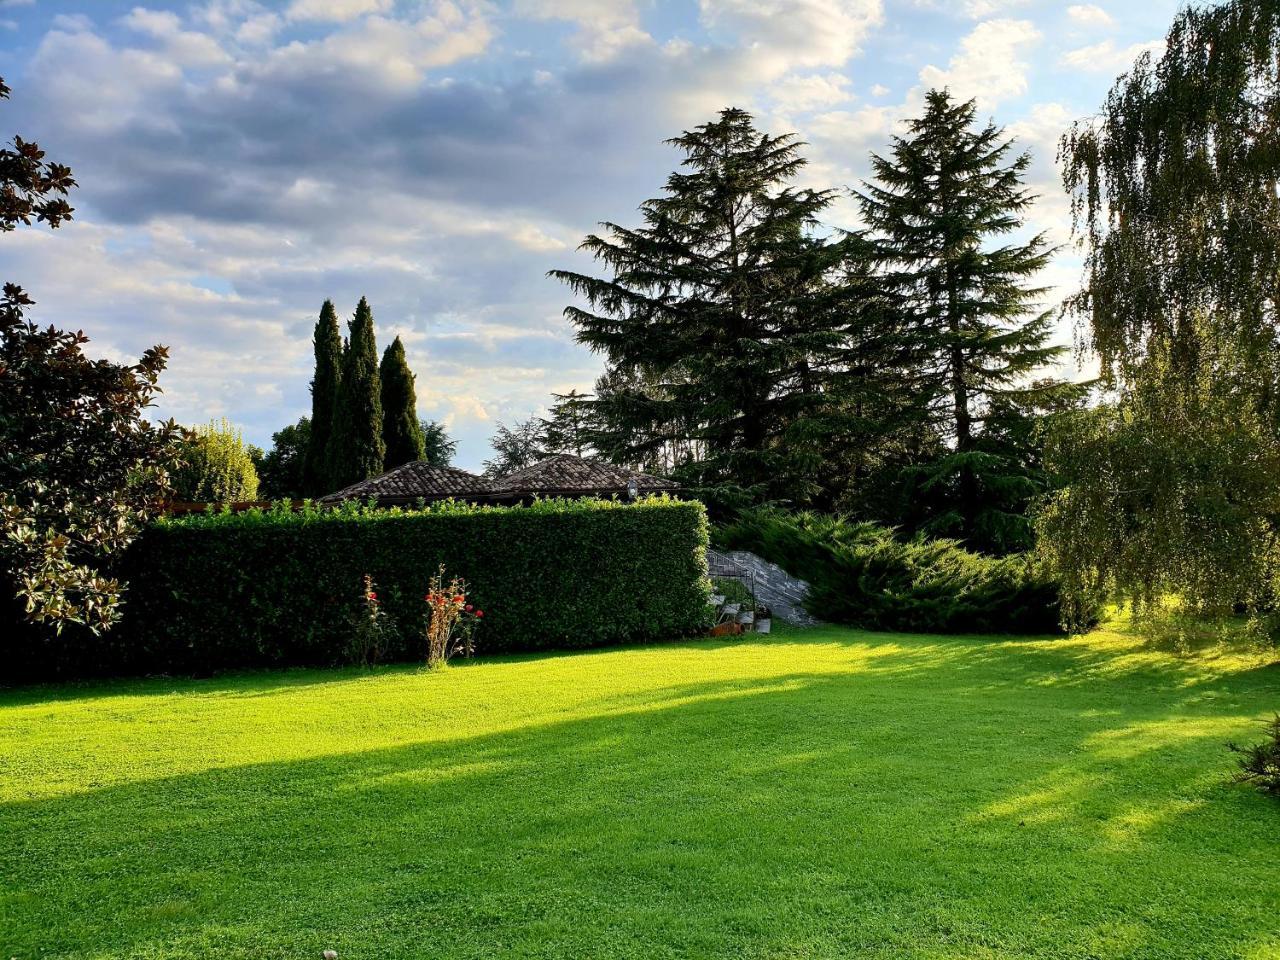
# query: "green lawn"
[827,793]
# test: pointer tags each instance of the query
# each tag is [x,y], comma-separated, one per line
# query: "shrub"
[217,466]
[371,628]
[451,621]
[1260,763]
[860,574]
[220,590]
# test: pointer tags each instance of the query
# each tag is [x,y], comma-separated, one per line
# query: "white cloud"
[1107,57]
[604,29]
[987,66]
[800,93]
[394,53]
[981,9]
[786,34]
[335,11]
[183,47]
[1089,15]
[258,29]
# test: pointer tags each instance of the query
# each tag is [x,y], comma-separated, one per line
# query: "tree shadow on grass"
[896,811]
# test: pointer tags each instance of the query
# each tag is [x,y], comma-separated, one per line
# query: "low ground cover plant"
[1260,763]
[861,574]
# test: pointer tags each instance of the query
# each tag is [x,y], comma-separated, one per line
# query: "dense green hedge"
[860,574]
[215,591]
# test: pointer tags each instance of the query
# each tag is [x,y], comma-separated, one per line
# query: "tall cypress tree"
[946,196]
[327,342]
[708,311]
[355,448]
[401,431]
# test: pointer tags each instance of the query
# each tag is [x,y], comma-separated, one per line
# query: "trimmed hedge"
[215,591]
[860,574]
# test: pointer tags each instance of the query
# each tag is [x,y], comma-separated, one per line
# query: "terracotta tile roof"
[411,482]
[567,475]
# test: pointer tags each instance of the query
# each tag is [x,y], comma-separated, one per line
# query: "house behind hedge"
[562,475]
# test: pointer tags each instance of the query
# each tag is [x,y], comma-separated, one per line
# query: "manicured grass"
[827,793]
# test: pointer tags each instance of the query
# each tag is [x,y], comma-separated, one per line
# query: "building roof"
[411,482]
[567,475]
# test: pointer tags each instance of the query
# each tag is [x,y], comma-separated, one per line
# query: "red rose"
[479,613]
[373,596]
[469,608]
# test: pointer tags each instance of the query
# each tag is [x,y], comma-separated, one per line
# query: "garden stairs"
[774,587]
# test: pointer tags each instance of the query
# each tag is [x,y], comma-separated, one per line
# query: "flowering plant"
[451,621]
[374,628]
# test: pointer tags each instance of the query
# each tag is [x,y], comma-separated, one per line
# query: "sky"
[241,161]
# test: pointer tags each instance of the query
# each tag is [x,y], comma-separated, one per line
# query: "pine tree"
[355,448]
[401,432]
[438,447]
[515,448]
[709,309]
[327,342]
[568,429]
[946,197]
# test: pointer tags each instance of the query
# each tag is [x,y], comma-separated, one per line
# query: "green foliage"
[327,342]
[401,431]
[859,574]
[1173,187]
[438,448]
[569,428]
[938,213]
[1175,487]
[713,311]
[373,631]
[355,450]
[81,468]
[1260,763]
[515,447]
[222,590]
[216,466]
[1171,490]
[281,469]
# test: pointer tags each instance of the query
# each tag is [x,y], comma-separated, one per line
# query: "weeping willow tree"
[1173,489]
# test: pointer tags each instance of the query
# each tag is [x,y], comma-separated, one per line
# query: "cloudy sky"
[240,161]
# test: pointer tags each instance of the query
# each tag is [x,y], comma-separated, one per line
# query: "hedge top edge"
[284,514]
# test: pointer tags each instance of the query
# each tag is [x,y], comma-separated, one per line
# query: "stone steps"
[774,587]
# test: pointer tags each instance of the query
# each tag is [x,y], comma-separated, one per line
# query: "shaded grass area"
[820,793]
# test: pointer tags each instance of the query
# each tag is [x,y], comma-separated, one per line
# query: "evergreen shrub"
[861,574]
[224,590]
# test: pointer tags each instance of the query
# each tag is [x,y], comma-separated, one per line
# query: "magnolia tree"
[80,468]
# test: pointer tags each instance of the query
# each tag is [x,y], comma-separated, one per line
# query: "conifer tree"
[708,309]
[401,431]
[568,429]
[327,343]
[946,198]
[438,446]
[355,449]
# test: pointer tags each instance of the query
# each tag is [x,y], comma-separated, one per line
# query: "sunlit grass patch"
[820,793]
